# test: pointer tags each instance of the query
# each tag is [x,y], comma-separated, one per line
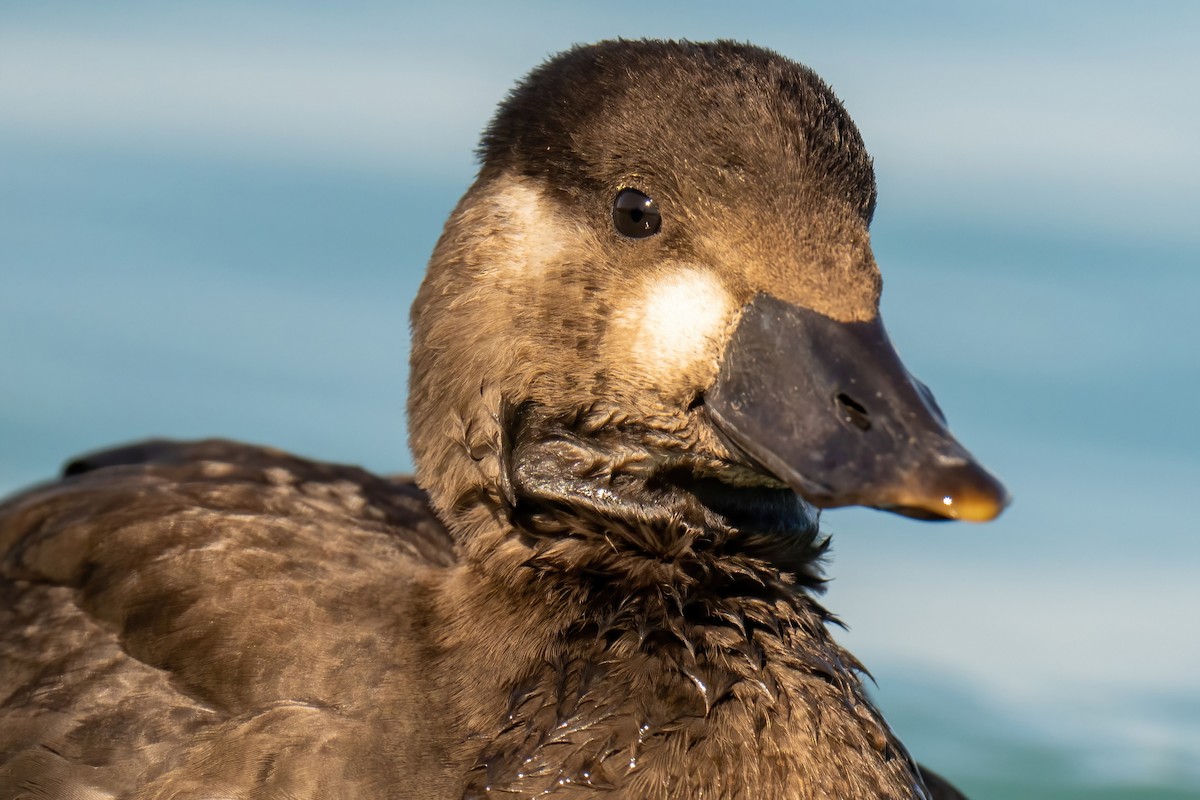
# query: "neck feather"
[644,628]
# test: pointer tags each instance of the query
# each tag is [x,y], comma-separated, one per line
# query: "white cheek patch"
[678,321]
[531,236]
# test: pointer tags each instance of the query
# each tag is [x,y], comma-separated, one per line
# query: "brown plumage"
[592,593]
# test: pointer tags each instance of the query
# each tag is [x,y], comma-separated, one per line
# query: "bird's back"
[179,620]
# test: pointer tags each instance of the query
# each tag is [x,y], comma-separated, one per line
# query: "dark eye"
[635,214]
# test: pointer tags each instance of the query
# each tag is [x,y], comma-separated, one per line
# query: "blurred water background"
[213,218]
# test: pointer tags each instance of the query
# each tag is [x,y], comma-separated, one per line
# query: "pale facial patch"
[678,322]
[526,224]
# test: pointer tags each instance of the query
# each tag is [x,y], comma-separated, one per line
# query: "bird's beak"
[828,408]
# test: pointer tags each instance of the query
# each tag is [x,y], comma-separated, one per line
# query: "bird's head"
[664,271]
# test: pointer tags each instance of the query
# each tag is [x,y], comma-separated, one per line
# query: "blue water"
[212,221]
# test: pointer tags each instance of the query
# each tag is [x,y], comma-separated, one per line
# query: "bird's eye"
[635,214]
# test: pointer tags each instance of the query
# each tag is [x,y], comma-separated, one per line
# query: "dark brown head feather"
[646,108]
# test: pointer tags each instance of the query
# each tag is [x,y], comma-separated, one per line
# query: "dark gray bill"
[828,408]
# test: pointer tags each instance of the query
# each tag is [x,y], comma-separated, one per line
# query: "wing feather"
[182,614]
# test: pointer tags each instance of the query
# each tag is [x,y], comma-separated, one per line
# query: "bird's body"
[598,589]
[219,620]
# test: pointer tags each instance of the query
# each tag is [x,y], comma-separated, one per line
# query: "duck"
[646,354]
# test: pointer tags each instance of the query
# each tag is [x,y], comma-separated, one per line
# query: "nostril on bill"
[851,412]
